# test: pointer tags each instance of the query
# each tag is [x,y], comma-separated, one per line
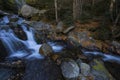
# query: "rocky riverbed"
[35,50]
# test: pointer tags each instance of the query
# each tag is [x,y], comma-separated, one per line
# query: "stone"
[59,27]
[6,74]
[3,51]
[82,77]
[28,11]
[68,29]
[99,71]
[70,69]
[81,38]
[46,50]
[117,47]
[79,61]
[43,69]
[85,69]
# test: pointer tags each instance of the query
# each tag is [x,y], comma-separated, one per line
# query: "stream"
[28,50]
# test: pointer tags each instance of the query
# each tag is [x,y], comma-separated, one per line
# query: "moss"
[99,66]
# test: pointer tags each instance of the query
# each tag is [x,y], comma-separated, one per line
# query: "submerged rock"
[70,69]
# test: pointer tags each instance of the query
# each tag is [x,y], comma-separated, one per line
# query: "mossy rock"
[100,72]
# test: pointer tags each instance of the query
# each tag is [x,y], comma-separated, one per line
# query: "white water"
[105,57]
[30,49]
[19,48]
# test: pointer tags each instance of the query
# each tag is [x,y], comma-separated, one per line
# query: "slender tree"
[56,10]
[77,9]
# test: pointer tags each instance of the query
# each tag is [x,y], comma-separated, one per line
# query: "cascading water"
[29,48]
[20,48]
[20,3]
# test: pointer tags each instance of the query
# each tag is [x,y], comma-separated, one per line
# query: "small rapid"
[22,48]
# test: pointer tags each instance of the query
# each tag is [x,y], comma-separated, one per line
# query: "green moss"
[99,66]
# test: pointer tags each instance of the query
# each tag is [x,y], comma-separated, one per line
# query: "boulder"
[44,69]
[46,50]
[59,27]
[28,11]
[19,32]
[85,69]
[81,38]
[70,69]
[99,71]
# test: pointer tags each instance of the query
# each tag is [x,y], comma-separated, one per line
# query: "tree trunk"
[56,10]
[77,9]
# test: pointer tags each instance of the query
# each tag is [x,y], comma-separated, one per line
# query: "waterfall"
[21,48]
[20,3]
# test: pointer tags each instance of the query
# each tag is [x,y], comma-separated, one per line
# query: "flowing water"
[22,48]
[29,50]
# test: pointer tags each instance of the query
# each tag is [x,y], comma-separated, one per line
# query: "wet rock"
[113,68]
[69,69]
[15,64]
[42,70]
[46,50]
[2,13]
[18,31]
[28,11]
[6,74]
[85,69]
[3,51]
[99,71]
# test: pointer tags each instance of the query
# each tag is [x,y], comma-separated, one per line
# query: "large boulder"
[70,69]
[99,71]
[28,11]
[43,69]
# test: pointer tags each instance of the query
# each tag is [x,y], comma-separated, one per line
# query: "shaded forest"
[59,39]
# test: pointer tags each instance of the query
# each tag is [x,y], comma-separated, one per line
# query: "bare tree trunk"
[77,9]
[56,10]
